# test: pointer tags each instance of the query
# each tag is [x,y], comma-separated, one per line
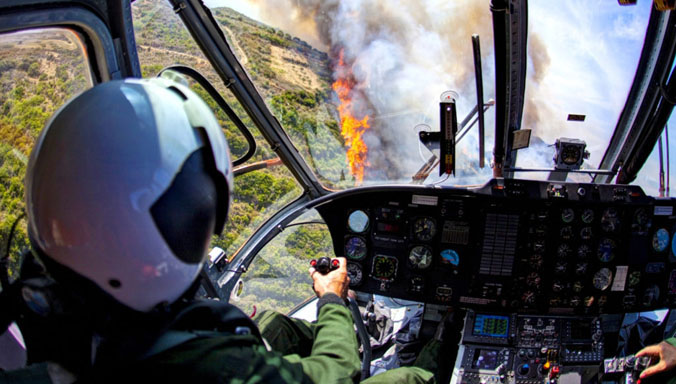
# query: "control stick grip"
[324,264]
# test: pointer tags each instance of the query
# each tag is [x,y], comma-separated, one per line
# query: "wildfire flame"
[351,128]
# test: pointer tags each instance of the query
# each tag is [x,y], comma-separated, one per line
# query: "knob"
[524,369]
[522,353]
[596,336]
[581,192]
[629,362]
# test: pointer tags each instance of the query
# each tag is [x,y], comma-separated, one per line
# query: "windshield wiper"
[202,81]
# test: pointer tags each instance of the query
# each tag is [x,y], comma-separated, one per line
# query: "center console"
[528,349]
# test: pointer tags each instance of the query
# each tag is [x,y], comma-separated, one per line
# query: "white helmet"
[126,185]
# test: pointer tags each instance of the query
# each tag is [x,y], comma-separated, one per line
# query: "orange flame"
[351,128]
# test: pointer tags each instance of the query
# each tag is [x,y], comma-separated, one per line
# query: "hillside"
[295,81]
[293,78]
[39,71]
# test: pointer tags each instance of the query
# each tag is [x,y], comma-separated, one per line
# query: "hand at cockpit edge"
[666,354]
[335,281]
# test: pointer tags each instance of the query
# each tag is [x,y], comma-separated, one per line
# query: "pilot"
[124,189]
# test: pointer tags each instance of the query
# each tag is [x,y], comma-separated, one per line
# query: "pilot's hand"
[335,281]
[666,354]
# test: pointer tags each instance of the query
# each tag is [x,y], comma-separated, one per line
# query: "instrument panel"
[515,245]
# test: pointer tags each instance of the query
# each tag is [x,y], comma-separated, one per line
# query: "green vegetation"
[278,278]
[40,71]
[28,97]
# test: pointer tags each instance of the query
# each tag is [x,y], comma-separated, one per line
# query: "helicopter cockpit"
[546,246]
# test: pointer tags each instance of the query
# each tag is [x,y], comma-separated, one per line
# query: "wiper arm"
[201,80]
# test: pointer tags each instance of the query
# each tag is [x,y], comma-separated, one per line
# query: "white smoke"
[403,55]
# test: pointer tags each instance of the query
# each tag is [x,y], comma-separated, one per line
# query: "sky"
[582,56]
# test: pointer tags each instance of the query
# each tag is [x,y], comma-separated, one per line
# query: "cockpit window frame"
[205,31]
[98,41]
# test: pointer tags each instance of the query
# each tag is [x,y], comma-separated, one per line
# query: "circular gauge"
[420,257]
[584,251]
[575,301]
[602,279]
[558,286]
[578,286]
[417,284]
[651,295]
[539,246]
[358,221]
[555,302]
[566,232]
[567,215]
[449,256]
[586,233]
[660,240]
[354,273]
[641,219]
[424,229]
[533,280]
[606,250]
[634,278]
[564,250]
[581,268]
[560,267]
[541,231]
[610,221]
[587,216]
[528,298]
[384,267]
[535,261]
[355,248]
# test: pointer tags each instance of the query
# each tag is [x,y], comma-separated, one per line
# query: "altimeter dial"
[424,229]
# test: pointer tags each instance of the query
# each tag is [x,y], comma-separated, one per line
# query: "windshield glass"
[582,60]
[353,82]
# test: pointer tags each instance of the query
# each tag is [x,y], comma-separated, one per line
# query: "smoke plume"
[402,56]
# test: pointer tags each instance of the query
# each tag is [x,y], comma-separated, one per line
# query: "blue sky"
[593,47]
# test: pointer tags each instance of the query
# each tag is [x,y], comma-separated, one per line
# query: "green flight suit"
[234,357]
[295,338]
[333,357]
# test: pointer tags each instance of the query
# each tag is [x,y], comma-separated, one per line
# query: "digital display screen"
[485,359]
[388,228]
[491,326]
[580,329]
